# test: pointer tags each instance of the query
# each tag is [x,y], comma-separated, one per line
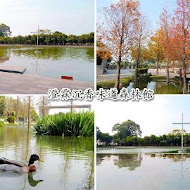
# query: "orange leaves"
[118,26]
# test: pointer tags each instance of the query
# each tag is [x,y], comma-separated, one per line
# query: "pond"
[142,171]
[68,162]
[50,61]
[160,87]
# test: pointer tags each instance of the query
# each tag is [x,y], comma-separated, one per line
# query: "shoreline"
[34,45]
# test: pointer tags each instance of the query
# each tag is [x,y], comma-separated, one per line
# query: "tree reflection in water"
[70,160]
[129,161]
[53,53]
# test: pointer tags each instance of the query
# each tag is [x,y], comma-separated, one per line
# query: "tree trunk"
[157,68]
[184,78]
[117,80]
[180,76]
[173,66]
[167,72]
[29,112]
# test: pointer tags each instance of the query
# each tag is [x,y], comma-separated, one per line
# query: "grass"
[71,124]
[110,84]
[1,123]
[176,151]
[157,77]
[11,124]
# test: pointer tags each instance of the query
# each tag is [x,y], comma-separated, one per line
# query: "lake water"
[137,169]
[161,87]
[68,162]
[51,61]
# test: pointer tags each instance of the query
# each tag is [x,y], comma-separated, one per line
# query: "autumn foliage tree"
[165,36]
[141,32]
[116,30]
[181,36]
[155,50]
[175,38]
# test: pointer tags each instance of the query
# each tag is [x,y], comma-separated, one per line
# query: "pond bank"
[34,45]
[156,83]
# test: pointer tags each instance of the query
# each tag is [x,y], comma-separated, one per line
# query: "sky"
[37,99]
[150,8]
[68,16]
[154,117]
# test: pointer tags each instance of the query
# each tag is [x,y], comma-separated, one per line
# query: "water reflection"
[159,87]
[129,161]
[143,171]
[69,162]
[31,180]
[164,88]
[54,53]
[52,62]
[3,59]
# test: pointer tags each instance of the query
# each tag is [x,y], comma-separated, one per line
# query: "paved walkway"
[162,72]
[110,75]
[12,69]
[11,83]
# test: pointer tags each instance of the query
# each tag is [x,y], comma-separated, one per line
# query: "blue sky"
[68,16]
[154,117]
[150,8]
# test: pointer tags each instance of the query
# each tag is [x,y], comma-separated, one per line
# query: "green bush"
[71,124]
[142,71]
[1,123]
[110,84]
[11,119]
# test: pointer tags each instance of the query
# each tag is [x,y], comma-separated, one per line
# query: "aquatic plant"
[69,124]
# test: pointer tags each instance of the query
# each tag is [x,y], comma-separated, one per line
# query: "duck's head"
[33,158]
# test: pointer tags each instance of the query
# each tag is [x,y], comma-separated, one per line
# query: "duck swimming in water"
[12,165]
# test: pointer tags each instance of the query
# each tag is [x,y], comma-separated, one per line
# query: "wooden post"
[43,106]
[29,111]
[71,106]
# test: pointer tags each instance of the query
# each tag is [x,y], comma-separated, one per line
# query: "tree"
[141,35]
[4,30]
[155,49]
[103,137]
[181,34]
[116,30]
[126,129]
[2,105]
[165,33]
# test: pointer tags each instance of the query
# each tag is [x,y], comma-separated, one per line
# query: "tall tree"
[155,49]
[181,33]
[139,42]
[165,23]
[5,30]
[116,30]
[127,128]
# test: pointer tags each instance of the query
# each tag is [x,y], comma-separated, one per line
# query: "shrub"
[142,71]
[11,119]
[71,124]
[110,84]
[1,123]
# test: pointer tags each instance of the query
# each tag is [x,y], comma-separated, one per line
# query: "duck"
[16,166]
